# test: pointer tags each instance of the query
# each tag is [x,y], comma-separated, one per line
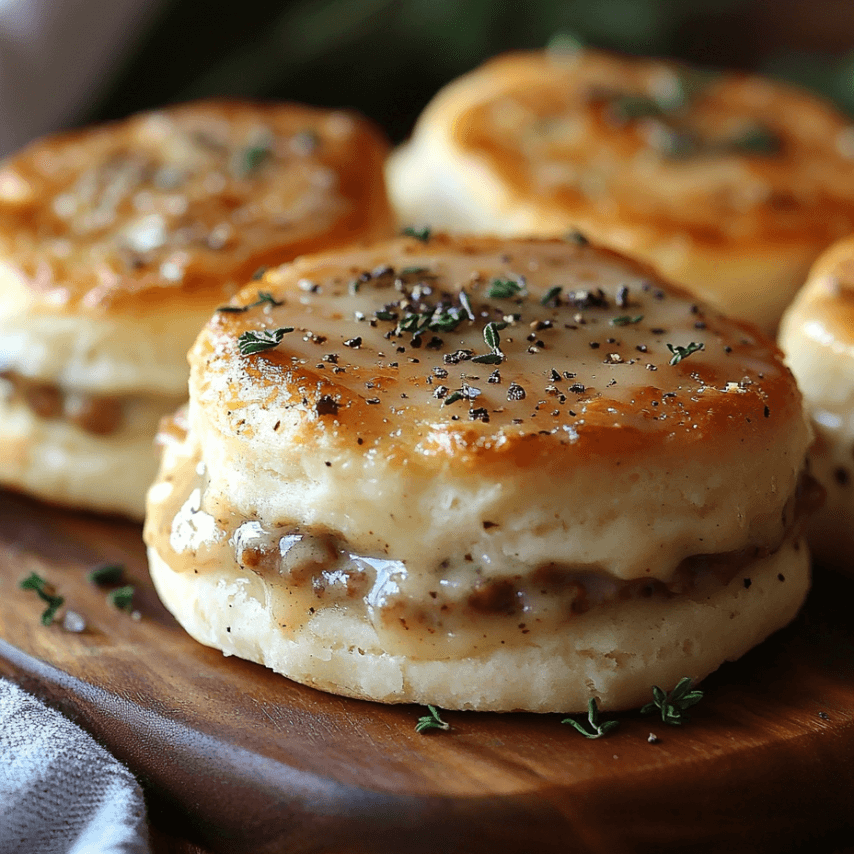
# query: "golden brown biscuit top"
[719,157]
[478,350]
[185,199]
[825,305]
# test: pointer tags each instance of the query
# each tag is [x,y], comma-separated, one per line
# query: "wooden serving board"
[250,762]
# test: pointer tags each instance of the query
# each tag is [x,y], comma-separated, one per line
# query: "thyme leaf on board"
[431,721]
[122,597]
[106,573]
[46,593]
[673,706]
[595,728]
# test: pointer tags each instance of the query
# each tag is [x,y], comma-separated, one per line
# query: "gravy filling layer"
[99,415]
[459,605]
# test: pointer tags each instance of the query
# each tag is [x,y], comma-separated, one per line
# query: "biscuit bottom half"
[614,652]
[60,460]
[306,603]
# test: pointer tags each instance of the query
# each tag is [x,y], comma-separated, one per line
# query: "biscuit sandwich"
[729,184]
[485,474]
[116,244]
[817,335]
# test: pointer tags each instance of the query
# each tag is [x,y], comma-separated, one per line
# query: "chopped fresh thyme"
[757,139]
[413,271]
[691,82]
[46,593]
[552,296]
[251,158]
[431,721]
[680,353]
[122,597]
[263,297]
[422,234]
[504,289]
[489,359]
[466,304]
[493,341]
[106,573]
[490,334]
[623,109]
[626,320]
[674,706]
[577,238]
[263,339]
[596,728]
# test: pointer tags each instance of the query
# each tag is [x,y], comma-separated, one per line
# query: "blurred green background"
[386,58]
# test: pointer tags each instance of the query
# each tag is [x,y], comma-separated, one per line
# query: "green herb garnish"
[263,297]
[504,289]
[431,721]
[491,336]
[626,320]
[551,296]
[46,594]
[493,341]
[757,139]
[690,83]
[106,573]
[453,397]
[422,234]
[626,108]
[466,304]
[597,728]
[251,158]
[122,597]
[680,353]
[414,271]
[673,706]
[264,339]
[577,238]
[675,143]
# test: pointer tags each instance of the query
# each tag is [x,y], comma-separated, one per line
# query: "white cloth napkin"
[61,792]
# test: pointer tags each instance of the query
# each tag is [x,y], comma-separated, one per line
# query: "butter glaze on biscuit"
[368,508]
[117,242]
[729,184]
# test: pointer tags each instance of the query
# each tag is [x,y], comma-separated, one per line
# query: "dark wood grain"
[248,761]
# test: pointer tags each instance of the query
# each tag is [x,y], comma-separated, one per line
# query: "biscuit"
[729,184]
[817,335]
[116,244]
[485,474]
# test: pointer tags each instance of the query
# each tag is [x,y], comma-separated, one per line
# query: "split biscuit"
[484,474]
[116,244]
[727,183]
